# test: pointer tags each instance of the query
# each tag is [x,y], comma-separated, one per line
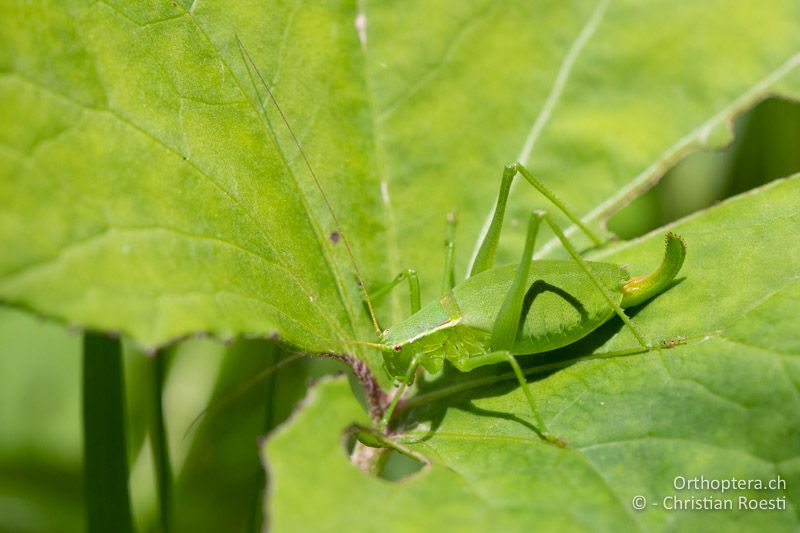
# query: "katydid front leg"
[449,277]
[413,286]
[413,283]
[448,280]
[398,394]
[409,274]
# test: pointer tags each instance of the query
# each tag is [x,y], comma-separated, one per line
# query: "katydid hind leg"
[596,282]
[506,323]
[467,364]
[484,257]
[539,186]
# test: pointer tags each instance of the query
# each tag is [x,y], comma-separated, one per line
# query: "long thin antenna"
[241,389]
[317,182]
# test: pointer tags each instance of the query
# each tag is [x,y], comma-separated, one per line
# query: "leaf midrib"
[695,139]
[124,120]
[332,268]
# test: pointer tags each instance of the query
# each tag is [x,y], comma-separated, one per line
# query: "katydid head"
[425,335]
[397,350]
[397,359]
[397,355]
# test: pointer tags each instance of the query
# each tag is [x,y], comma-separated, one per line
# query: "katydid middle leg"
[506,324]
[506,327]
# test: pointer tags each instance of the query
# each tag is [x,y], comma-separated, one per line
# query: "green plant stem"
[159,443]
[105,456]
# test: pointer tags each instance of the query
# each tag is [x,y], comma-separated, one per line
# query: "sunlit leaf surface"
[149,187]
[723,405]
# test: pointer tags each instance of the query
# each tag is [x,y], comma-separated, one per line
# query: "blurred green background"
[233,390]
[766,147]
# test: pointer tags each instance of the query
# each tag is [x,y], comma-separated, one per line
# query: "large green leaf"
[726,404]
[143,190]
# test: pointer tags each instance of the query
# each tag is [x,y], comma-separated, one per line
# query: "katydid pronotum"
[498,313]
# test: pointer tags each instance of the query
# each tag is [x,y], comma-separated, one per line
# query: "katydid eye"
[397,347]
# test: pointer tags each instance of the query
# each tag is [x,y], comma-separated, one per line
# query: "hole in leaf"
[399,466]
[765,147]
[396,466]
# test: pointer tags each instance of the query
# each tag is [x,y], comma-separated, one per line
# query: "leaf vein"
[270,134]
[466,29]
[694,139]
[556,90]
[32,268]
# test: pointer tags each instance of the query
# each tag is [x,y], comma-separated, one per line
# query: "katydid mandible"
[498,313]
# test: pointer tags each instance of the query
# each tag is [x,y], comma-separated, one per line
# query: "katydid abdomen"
[561,306]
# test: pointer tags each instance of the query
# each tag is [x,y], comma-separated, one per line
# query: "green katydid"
[498,313]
